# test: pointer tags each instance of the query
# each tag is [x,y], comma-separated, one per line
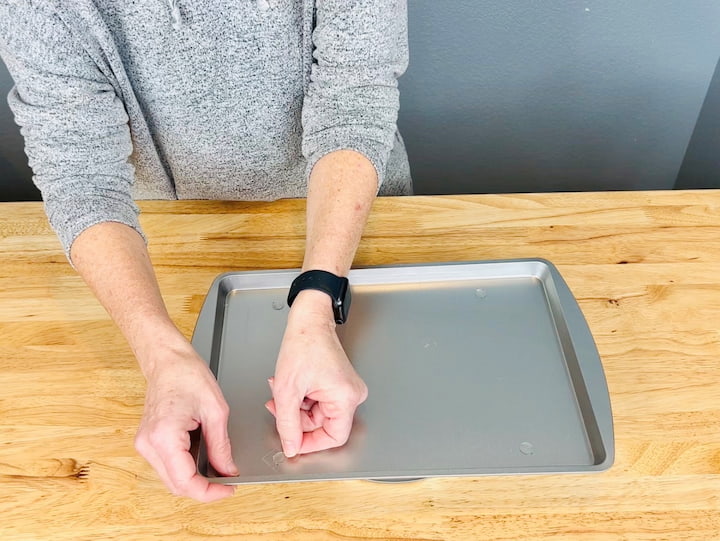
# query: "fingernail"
[232,469]
[289,449]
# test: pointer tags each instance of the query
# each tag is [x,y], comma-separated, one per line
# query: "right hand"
[182,394]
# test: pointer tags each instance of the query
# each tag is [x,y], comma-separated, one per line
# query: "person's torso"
[219,89]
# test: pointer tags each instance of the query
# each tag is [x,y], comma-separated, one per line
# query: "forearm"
[342,187]
[113,260]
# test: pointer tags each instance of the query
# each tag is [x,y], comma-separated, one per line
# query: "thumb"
[218,445]
[289,423]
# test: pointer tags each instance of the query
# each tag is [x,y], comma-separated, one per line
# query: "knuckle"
[345,391]
[142,445]
[224,409]
[155,438]
[182,493]
[219,413]
[356,387]
[180,487]
[362,394]
[334,409]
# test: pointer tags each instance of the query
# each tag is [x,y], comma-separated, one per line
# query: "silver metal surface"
[473,369]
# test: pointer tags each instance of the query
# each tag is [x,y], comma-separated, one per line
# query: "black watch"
[336,286]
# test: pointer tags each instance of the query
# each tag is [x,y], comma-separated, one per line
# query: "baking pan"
[472,368]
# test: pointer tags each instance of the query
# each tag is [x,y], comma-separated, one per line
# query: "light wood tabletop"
[644,266]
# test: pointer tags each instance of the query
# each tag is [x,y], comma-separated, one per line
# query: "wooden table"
[645,268]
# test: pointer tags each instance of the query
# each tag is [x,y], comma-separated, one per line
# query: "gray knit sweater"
[195,99]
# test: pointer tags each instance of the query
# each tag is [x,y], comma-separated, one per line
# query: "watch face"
[345,302]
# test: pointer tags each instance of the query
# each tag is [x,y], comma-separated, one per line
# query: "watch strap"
[337,287]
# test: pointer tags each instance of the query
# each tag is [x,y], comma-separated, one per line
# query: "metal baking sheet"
[473,369]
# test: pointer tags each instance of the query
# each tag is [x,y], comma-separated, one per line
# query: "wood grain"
[645,267]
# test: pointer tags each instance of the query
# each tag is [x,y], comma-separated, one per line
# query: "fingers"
[186,480]
[306,403]
[288,420]
[214,428]
[148,453]
[310,419]
[334,432]
[321,432]
[293,421]
[167,451]
[322,424]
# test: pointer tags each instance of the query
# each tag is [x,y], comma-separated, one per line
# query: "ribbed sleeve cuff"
[374,151]
[69,218]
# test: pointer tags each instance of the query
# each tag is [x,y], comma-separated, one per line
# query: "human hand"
[315,389]
[182,395]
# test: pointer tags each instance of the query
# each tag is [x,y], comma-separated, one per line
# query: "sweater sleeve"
[352,101]
[75,127]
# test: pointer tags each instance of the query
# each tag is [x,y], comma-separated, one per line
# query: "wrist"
[313,305]
[158,345]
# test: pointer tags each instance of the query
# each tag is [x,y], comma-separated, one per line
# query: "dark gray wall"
[701,167]
[557,95]
[15,184]
[520,95]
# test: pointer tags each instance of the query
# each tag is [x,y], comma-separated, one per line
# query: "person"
[231,99]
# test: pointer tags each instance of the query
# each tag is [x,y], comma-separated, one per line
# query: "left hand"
[315,389]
